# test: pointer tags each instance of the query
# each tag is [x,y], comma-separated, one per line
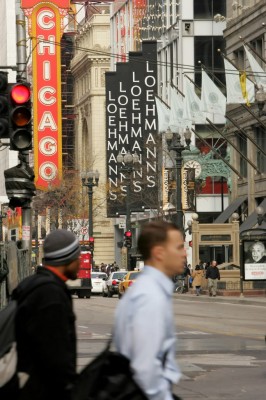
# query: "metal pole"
[128,223]
[241,268]
[179,212]
[90,193]
[21,47]
[36,237]
[22,76]
[26,228]
[1,227]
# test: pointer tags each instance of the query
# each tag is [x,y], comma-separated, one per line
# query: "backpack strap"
[19,298]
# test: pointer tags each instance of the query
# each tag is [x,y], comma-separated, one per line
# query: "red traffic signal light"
[128,239]
[91,243]
[4,114]
[20,117]
[20,93]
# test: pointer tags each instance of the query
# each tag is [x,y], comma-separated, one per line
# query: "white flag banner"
[163,113]
[213,101]
[234,94]
[258,73]
[192,106]
[176,115]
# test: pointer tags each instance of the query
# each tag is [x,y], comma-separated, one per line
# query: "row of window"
[260,139]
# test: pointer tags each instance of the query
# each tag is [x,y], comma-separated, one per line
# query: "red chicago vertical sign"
[45,29]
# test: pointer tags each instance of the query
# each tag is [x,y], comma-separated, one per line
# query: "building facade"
[247,20]
[90,62]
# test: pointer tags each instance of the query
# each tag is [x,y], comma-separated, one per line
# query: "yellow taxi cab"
[128,281]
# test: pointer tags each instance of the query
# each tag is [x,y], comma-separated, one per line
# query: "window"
[239,59]
[261,141]
[205,50]
[207,9]
[242,145]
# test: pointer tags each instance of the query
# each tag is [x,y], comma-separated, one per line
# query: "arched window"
[85,146]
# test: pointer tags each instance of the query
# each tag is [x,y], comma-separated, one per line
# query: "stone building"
[246,23]
[90,62]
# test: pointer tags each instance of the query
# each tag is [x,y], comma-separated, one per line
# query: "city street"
[221,345]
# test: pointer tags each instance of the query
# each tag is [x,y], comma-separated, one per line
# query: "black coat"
[213,273]
[46,337]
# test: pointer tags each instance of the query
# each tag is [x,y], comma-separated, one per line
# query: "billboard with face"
[254,260]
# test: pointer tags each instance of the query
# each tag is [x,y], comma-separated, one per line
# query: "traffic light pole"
[22,76]
[128,223]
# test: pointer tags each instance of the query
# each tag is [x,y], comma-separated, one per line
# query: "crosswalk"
[84,332]
[188,333]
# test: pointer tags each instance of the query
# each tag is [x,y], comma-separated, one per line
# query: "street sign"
[122,225]
[83,231]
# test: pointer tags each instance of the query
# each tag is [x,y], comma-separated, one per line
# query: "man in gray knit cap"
[45,322]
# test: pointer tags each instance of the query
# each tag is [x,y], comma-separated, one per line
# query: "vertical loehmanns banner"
[131,125]
[45,21]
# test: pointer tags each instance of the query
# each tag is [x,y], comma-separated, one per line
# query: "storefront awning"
[252,220]
[226,214]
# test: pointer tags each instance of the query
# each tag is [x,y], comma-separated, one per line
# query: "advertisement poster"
[255,260]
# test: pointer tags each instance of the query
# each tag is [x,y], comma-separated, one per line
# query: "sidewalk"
[245,300]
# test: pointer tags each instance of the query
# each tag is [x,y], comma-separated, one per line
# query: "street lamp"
[261,98]
[90,179]
[261,216]
[127,163]
[2,216]
[173,141]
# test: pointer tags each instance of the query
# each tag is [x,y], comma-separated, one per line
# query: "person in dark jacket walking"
[45,322]
[213,276]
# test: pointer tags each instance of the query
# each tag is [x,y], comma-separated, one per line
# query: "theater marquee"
[131,125]
[45,29]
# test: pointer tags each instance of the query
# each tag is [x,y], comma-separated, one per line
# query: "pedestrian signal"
[20,117]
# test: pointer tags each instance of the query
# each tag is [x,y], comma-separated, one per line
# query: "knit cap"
[60,247]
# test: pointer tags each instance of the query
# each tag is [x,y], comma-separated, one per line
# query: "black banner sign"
[131,125]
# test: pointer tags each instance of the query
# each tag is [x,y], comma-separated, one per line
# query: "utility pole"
[22,77]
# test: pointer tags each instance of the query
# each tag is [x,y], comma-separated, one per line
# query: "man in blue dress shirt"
[144,326]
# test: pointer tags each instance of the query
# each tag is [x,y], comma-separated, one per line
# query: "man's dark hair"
[153,234]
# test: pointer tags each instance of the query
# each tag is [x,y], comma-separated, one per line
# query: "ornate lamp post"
[173,141]
[127,163]
[90,179]
[261,215]
[2,216]
[261,99]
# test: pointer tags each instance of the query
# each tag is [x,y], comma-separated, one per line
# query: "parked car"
[128,281]
[97,281]
[110,286]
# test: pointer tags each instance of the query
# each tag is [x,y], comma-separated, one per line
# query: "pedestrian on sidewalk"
[197,276]
[144,327]
[45,322]
[213,276]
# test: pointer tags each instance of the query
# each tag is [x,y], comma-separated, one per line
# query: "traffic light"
[91,244]
[19,182]
[4,106]
[128,239]
[20,127]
